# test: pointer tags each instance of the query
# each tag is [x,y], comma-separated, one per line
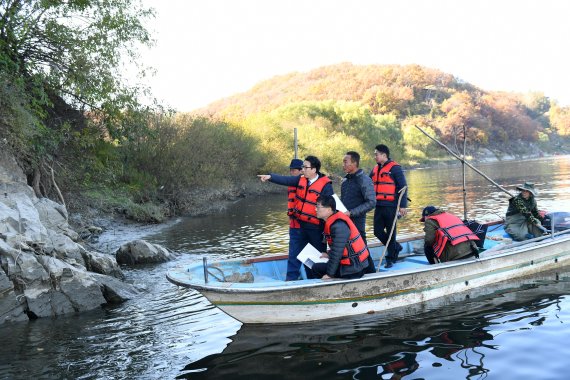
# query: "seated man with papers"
[348,253]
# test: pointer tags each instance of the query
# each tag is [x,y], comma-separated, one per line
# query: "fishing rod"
[465,162]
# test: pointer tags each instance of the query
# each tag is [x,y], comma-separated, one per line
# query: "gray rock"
[116,291]
[11,307]
[142,252]
[103,264]
[44,272]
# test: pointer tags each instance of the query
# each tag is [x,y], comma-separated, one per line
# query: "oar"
[465,162]
[402,191]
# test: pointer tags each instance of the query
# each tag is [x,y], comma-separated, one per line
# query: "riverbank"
[117,229]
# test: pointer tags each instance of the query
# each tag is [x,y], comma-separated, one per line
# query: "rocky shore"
[44,269]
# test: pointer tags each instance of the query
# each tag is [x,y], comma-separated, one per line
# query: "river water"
[512,331]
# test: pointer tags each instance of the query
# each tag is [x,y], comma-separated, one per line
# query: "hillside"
[329,98]
[344,81]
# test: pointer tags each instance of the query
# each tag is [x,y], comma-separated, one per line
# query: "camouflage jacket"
[526,207]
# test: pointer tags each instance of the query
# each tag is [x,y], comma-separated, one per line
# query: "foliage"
[185,155]
[560,119]
[326,129]
[61,61]
[381,103]
[120,202]
[417,144]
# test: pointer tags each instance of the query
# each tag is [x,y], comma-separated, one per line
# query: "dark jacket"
[357,194]
[400,180]
[340,233]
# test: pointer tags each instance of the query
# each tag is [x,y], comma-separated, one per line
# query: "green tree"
[65,57]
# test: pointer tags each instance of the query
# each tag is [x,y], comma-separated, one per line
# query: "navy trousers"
[383,219]
[298,239]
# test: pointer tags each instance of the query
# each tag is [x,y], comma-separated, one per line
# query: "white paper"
[310,255]
[339,205]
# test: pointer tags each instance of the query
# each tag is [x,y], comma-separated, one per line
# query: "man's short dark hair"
[327,201]
[355,157]
[315,162]
[383,149]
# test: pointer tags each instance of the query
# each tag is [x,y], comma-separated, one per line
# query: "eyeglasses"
[307,167]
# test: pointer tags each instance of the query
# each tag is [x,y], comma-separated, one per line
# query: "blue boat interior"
[266,271]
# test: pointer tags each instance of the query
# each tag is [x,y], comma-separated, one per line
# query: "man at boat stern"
[446,236]
[309,187]
[523,220]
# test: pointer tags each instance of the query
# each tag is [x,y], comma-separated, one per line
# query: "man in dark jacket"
[357,195]
[388,179]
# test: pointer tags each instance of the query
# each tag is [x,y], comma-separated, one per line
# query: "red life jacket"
[293,222]
[306,199]
[384,184]
[355,247]
[451,229]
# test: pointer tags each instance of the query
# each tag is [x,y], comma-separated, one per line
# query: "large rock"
[11,307]
[103,264]
[142,252]
[44,272]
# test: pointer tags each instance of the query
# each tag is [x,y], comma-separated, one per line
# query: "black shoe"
[388,264]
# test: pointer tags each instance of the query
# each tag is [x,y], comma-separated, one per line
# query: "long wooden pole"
[295,141]
[466,163]
[463,168]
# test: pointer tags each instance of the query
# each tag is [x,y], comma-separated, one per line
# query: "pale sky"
[210,49]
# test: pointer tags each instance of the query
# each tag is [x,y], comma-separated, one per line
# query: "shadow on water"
[458,337]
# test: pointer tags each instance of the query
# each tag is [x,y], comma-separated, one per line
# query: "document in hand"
[339,205]
[310,255]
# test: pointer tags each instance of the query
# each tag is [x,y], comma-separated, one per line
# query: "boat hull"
[318,300]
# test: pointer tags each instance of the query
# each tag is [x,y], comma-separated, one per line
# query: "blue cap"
[296,164]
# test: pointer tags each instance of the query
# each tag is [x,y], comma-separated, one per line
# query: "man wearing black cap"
[446,236]
[295,168]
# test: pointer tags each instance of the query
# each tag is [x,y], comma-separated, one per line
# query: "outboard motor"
[559,219]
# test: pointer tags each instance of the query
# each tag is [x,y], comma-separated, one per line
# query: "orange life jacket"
[293,222]
[355,247]
[384,184]
[451,229]
[306,199]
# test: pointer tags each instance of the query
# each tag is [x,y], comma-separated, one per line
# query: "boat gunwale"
[539,242]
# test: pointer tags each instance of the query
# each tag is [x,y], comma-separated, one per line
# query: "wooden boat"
[253,290]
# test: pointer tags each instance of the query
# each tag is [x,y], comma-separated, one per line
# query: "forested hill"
[411,95]
[386,88]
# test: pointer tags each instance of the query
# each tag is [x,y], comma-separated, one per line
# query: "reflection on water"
[171,332]
[469,338]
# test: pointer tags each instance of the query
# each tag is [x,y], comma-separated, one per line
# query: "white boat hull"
[386,290]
